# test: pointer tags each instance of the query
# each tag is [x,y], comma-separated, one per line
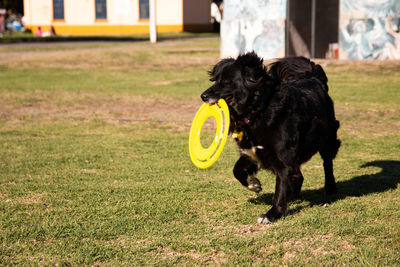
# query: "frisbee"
[205,157]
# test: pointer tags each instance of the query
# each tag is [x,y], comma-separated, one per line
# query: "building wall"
[366,29]
[169,12]
[249,25]
[369,29]
[122,16]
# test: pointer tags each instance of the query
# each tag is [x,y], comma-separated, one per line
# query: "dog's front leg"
[244,170]
[284,188]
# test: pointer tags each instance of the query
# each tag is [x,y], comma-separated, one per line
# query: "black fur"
[285,115]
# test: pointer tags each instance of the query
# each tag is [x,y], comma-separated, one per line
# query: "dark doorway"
[300,29]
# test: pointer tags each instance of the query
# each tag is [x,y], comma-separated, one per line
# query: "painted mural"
[257,25]
[370,29]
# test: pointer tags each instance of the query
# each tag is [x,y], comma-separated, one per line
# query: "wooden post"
[153,26]
[313,20]
[287,27]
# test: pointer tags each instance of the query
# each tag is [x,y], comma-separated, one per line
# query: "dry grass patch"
[380,121]
[137,56]
[16,108]
[244,230]
[30,198]
[321,245]
[169,253]
[342,66]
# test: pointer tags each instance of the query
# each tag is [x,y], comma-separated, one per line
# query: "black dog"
[281,116]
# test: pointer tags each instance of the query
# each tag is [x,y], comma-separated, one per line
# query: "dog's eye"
[225,81]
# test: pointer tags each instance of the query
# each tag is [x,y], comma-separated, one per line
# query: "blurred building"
[369,29]
[348,29]
[116,17]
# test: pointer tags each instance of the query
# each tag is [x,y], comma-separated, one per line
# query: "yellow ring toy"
[205,157]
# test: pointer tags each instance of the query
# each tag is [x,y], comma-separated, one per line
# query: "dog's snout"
[209,96]
[204,97]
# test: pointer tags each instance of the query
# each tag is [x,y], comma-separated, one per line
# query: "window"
[101,9]
[58,9]
[144,11]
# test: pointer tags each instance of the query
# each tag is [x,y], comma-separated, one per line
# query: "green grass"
[33,40]
[94,167]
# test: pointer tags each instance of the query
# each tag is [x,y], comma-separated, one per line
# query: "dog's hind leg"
[330,184]
[244,170]
[328,153]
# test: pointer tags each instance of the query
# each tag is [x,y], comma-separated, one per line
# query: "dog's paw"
[263,219]
[254,184]
[255,188]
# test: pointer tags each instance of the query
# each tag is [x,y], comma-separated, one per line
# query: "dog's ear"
[253,69]
[216,71]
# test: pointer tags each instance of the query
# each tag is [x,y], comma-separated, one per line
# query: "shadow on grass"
[386,179]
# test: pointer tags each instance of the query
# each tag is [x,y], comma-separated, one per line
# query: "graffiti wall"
[369,29]
[257,25]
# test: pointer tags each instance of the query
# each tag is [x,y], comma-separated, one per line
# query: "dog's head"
[237,81]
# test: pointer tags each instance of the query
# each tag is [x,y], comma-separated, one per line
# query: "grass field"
[94,167]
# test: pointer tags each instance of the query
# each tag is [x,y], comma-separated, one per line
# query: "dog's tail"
[291,69]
